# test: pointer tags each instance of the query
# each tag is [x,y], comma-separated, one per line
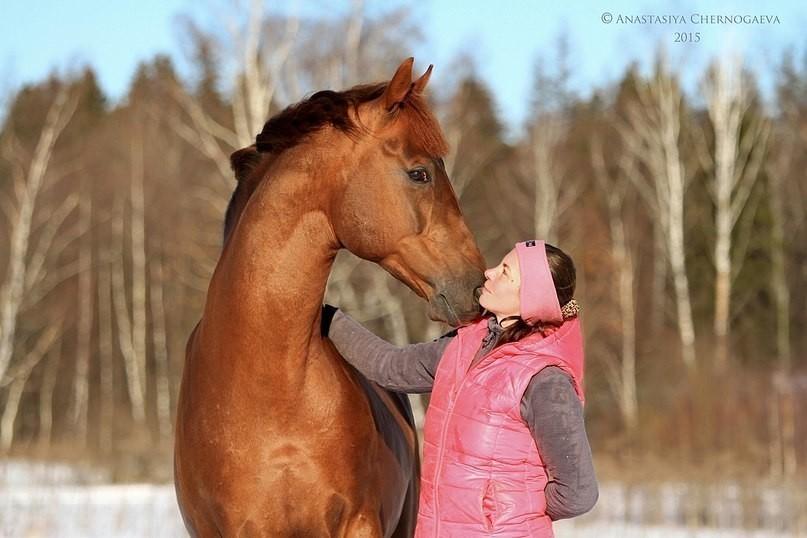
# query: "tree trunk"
[781,295]
[124,322]
[106,358]
[163,370]
[651,135]
[736,160]
[614,193]
[139,277]
[46,391]
[81,382]
[686,328]
[675,189]
[9,416]
[658,297]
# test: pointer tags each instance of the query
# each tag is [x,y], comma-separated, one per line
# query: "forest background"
[685,211]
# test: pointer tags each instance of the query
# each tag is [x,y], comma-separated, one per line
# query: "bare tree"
[26,279]
[123,319]
[469,128]
[651,133]
[740,144]
[554,193]
[160,340]
[256,76]
[17,377]
[545,170]
[38,234]
[46,391]
[81,382]
[137,230]
[132,323]
[105,353]
[782,407]
[614,190]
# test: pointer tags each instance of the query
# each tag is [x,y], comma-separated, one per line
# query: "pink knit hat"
[539,300]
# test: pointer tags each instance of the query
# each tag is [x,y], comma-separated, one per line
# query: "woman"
[505,448]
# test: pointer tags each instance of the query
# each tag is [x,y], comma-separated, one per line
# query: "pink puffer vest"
[482,474]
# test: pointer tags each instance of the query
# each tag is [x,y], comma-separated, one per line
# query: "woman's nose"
[489,274]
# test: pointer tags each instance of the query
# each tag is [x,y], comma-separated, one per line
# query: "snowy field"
[59,501]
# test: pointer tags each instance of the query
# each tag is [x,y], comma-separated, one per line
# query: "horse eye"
[419,175]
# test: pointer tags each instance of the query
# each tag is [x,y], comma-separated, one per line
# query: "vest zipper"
[454,396]
[439,470]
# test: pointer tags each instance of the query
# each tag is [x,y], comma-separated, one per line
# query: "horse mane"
[289,127]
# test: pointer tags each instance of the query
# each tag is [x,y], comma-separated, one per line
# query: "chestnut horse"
[276,434]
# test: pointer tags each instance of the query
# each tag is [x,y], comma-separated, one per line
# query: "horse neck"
[265,297]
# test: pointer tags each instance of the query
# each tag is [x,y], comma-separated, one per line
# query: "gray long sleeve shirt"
[549,407]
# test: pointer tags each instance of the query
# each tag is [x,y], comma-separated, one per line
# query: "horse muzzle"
[456,303]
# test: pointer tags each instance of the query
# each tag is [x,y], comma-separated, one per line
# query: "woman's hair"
[564,276]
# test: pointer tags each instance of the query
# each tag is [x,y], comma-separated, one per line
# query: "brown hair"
[564,276]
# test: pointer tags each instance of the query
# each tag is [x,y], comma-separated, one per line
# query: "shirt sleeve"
[554,414]
[407,368]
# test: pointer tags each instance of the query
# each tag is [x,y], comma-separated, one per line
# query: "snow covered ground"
[64,502]
[138,510]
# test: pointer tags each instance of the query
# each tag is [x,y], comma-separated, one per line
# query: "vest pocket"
[489,504]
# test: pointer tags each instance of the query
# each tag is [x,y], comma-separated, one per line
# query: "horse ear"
[244,161]
[420,84]
[400,84]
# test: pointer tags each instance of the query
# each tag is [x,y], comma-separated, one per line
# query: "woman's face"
[500,291]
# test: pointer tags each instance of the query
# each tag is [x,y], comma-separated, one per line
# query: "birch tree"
[132,322]
[160,341]
[615,189]
[27,279]
[39,233]
[259,69]
[46,392]
[17,377]
[81,382]
[105,353]
[740,143]
[651,133]
[785,204]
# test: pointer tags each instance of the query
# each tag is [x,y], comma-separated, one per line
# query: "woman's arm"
[404,369]
[554,414]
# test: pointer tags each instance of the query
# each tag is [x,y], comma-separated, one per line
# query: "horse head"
[398,208]
[385,189]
